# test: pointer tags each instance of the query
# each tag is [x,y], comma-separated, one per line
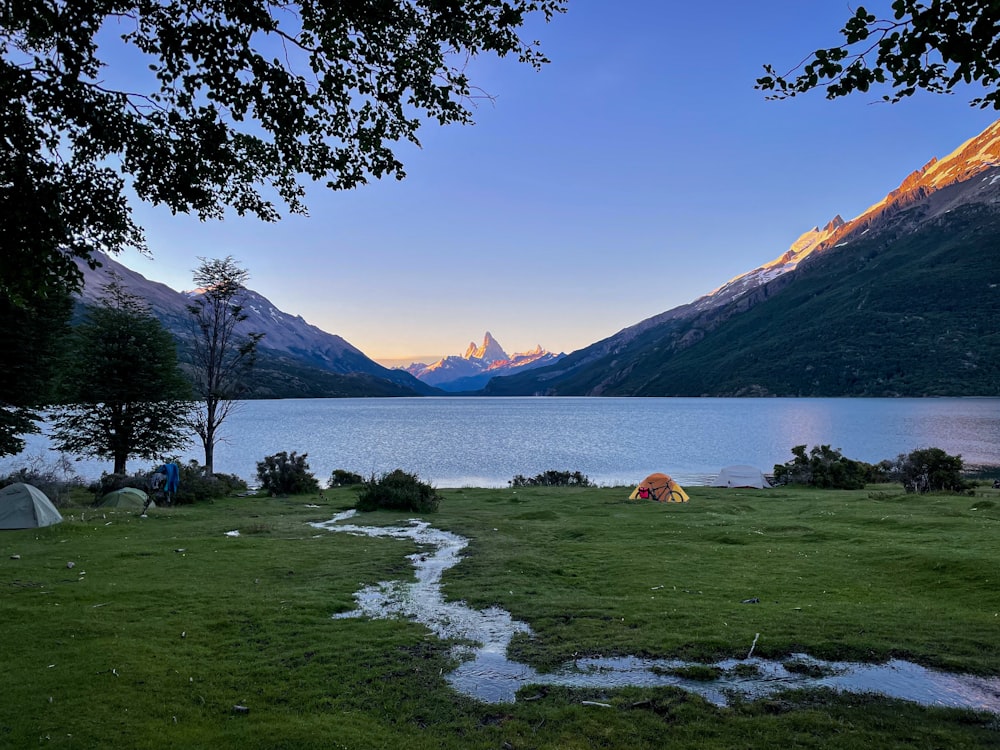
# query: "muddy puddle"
[486,674]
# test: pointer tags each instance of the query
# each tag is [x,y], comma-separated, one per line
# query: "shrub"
[397,490]
[931,470]
[284,474]
[342,478]
[56,481]
[194,485]
[825,467]
[552,479]
[111,482]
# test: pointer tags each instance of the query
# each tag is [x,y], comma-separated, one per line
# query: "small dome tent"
[127,497]
[741,476]
[24,506]
[661,488]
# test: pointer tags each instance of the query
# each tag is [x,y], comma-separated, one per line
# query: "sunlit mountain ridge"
[901,300]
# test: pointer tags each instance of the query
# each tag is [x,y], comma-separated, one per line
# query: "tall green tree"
[32,336]
[222,352]
[239,102]
[930,45]
[125,395]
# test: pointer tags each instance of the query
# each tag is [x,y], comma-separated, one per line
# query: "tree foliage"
[934,46]
[221,355]
[824,467]
[31,336]
[931,470]
[199,105]
[124,393]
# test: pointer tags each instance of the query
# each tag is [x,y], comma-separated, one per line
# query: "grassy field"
[166,632]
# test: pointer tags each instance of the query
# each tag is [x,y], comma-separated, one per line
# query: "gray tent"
[127,497]
[741,476]
[23,506]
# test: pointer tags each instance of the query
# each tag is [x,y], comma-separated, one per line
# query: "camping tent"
[659,487]
[741,476]
[24,506]
[127,497]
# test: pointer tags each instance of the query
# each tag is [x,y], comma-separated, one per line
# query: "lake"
[484,442]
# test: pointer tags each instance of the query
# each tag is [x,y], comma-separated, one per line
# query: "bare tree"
[221,355]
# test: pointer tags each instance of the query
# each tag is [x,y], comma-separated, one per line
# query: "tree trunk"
[208,437]
[209,457]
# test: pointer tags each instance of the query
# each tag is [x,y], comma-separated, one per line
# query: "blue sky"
[636,172]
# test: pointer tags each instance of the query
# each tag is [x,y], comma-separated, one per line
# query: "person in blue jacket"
[167,479]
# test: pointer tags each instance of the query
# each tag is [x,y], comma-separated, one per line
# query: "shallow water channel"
[486,674]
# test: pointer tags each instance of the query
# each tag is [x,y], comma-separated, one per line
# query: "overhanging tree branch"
[932,47]
[244,102]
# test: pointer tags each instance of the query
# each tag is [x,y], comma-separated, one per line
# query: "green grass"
[164,625]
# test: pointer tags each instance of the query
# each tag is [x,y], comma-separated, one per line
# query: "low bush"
[342,478]
[825,467]
[397,490]
[111,482]
[194,486]
[552,479]
[286,474]
[57,480]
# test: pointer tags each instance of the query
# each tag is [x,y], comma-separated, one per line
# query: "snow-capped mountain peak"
[473,369]
[488,352]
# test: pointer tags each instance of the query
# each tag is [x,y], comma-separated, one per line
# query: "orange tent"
[661,488]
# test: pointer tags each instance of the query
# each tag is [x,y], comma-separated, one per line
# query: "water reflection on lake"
[456,442]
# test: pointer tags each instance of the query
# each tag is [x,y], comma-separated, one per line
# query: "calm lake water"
[484,442]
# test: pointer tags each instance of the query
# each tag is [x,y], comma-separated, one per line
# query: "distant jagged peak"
[530,353]
[488,357]
[801,248]
[488,352]
[834,224]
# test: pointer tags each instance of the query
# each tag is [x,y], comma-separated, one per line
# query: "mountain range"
[475,368]
[902,300]
[295,359]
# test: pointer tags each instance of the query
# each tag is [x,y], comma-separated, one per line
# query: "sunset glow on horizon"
[636,172]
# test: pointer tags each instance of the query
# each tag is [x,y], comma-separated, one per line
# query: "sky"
[636,172]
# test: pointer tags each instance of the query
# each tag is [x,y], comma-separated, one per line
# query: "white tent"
[24,506]
[741,476]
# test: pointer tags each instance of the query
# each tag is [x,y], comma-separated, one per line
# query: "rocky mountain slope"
[478,365]
[296,359]
[901,300]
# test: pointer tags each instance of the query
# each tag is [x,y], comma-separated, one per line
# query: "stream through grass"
[486,674]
